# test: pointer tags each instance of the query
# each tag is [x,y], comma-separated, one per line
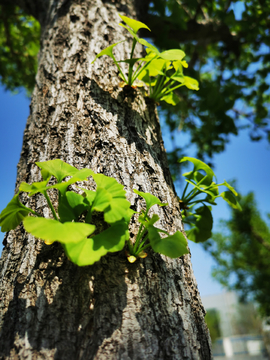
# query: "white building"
[232,346]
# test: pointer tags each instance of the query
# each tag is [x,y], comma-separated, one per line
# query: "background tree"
[227,46]
[247,320]
[242,254]
[212,320]
[51,308]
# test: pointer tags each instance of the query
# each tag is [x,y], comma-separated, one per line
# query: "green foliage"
[227,47]
[242,254]
[161,71]
[19,46]
[205,191]
[212,320]
[171,245]
[13,214]
[73,223]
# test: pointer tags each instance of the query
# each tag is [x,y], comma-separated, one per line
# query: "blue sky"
[246,161]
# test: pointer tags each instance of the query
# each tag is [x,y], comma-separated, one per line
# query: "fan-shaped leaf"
[58,168]
[90,250]
[150,199]
[134,24]
[52,230]
[13,214]
[173,246]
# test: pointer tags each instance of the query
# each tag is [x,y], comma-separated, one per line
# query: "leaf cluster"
[162,72]
[204,192]
[19,46]
[74,224]
[227,46]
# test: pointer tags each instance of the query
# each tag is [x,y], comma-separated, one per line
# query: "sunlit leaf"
[58,168]
[118,210]
[229,197]
[81,175]
[13,214]
[52,230]
[90,250]
[198,165]
[118,205]
[36,187]
[102,199]
[230,187]
[171,98]
[191,83]
[108,51]
[173,54]
[173,246]
[148,221]
[89,196]
[150,199]
[134,24]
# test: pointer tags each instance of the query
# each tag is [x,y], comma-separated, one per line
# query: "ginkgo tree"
[51,307]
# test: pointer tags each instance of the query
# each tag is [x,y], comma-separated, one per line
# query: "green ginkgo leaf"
[102,199]
[154,68]
[171,98]
[52,230]
[191,83]
[173,54]
[90,250]
[108,51]
[118,206]
[89,196]
[149,46]
[110,184]
[36,187]
[202,230]
[198,165]
[81,175]
[230,187]
[150,199]
[118,210]
[41,187]
[148,221]
[134,24]
[173,246]
[13,214]
[71,206]
[229,197]
[58,168]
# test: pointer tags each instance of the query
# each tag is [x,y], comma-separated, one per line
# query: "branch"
[264,243]
[204,32]
[36,8]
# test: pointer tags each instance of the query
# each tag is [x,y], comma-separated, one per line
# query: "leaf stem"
[116,63]
[50,205]
[130,82]
[137,73]
[184,192]
[143,248]
[35,213]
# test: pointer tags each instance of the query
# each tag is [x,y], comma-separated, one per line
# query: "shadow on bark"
[64,310]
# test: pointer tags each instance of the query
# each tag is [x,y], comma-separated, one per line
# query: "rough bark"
[50,308]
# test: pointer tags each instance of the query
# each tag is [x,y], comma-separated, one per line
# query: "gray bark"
[50,308]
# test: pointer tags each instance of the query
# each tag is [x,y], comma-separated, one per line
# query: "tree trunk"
[51,308]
